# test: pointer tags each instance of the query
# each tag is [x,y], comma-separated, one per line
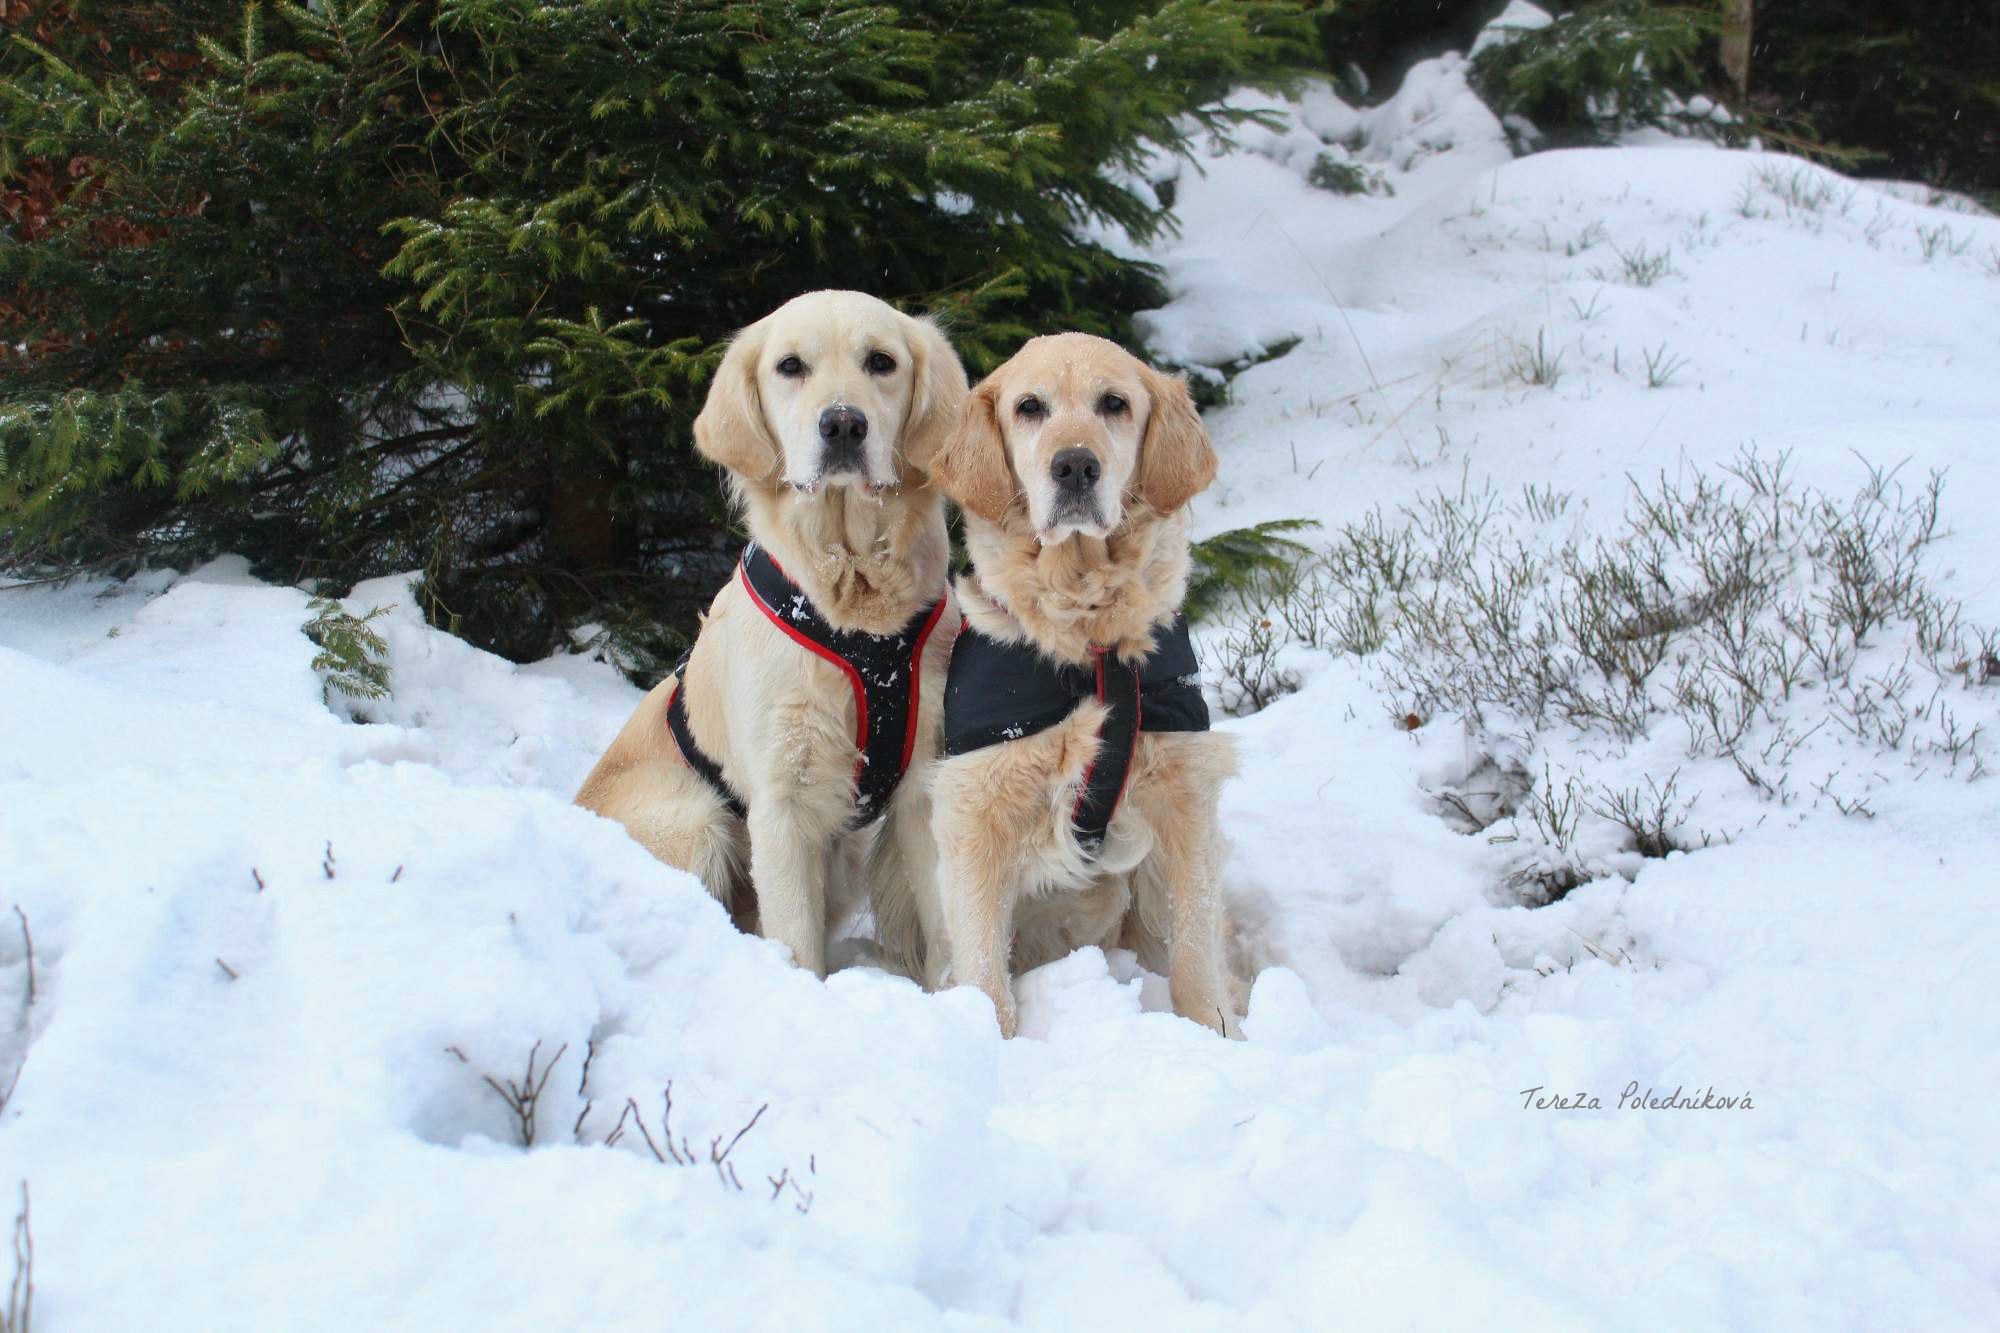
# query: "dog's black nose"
[1075,471]
[841,432]
[843,425]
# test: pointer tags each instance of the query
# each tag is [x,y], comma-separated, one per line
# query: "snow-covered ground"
[277,952]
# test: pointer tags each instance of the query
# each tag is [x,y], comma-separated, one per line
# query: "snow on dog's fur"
[849,512]
[1074,462]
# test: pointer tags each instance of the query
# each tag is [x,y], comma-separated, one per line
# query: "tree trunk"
[584,533]
[1736,28]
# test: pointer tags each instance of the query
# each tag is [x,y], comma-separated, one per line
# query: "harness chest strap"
[999,691]
[1117,741]
[884,671]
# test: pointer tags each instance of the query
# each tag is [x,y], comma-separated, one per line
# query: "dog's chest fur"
[1083,592]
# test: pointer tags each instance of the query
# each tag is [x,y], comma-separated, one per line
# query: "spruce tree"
[1600,69]
[1916,88]
[354,287]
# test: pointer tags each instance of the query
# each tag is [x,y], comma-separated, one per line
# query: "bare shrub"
[670,1149]
[19,1316]
[1551,863]
[1662,366]
[1739,607]
[1653,818]
[1940,240]
[1799,190]
[1639,267]
[1536,365]
[522,1097]
[1246,667]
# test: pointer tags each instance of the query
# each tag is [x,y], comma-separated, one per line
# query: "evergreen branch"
[1231,562]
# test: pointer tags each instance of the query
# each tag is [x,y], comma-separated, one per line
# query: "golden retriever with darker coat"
[1088,816]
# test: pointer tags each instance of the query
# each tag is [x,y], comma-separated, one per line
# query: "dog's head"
[832,389]
[1077,429]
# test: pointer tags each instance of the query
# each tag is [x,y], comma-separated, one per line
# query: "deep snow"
[277,949]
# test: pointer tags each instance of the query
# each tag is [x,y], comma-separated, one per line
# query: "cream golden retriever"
[820,667]
[1077,801]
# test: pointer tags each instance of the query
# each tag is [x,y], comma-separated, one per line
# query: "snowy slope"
[278,951]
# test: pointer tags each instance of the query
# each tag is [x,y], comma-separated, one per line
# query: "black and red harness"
[1003,691]
[884,670]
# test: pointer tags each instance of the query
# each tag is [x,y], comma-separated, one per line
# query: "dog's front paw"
[1209,1010]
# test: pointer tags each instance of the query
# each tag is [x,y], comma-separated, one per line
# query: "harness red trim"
[885,735]
[1131,750]
[854,680]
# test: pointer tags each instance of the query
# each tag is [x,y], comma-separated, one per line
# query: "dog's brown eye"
[879,363]
[1112,405]
[1030,407]
[791,367]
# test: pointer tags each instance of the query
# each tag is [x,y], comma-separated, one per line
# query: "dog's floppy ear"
[972,467]
[937,391]
[731,429]
[1176,460]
